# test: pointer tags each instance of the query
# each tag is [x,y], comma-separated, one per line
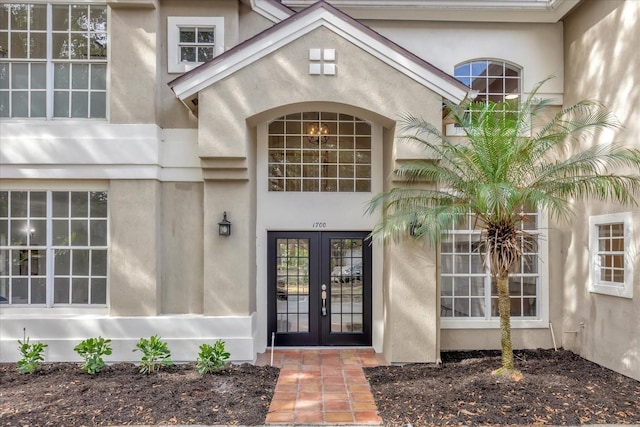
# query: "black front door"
[319,287]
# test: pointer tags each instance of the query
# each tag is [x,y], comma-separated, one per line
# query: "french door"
[319,288]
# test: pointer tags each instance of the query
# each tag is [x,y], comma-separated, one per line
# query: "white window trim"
[542,320]
[625,289]
[174,65]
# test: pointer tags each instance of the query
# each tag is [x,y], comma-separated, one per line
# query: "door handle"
[324,300]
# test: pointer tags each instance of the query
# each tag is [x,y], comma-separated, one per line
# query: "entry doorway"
[319,288]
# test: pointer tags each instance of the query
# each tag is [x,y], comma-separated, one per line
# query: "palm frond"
[499,167]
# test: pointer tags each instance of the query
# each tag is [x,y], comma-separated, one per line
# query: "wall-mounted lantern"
[224,226]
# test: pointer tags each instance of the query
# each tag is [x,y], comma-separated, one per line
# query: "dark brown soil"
[558,388]
[61,394]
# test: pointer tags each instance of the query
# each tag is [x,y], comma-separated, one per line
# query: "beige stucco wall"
[411,303]
[156,263]
[251,23]
[181,242]
[132,63]
[134,263]
[537,48]
[228,113]
[602,62]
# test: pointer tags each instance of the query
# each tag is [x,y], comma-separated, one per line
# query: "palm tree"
[503,165]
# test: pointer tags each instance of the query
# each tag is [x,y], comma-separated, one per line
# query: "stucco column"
[228,260]
[134,247]
[411,303]
[133,64]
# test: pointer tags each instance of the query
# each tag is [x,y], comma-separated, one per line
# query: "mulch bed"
[61,394]
[558,388]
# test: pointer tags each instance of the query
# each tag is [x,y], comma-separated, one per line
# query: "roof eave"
[535,11]
[319,15]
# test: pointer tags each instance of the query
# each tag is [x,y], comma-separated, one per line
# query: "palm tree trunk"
[504,308]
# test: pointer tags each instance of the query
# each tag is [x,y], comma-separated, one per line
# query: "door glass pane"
[292,286]
[346,285]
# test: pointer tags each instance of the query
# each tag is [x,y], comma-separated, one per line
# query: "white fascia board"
[451,10]
[269,10]
[299,28]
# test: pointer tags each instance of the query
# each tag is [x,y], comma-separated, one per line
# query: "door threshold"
[321,347]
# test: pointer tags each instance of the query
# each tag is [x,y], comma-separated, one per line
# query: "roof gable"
[320,14]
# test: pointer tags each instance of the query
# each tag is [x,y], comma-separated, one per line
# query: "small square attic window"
[192,41]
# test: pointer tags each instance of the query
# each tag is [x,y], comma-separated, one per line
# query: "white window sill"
[613,290]
[447,323]
[25,311]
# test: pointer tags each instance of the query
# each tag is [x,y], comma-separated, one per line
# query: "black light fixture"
[224,226]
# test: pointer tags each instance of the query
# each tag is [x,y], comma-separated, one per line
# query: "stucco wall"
[602,62]
[181,242]
[411,303]
[250,23]
[537,48]
[134,265]
[132,63]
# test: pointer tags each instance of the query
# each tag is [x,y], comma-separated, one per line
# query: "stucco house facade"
[131,131]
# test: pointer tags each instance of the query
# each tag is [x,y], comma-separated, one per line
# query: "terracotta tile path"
[322,387]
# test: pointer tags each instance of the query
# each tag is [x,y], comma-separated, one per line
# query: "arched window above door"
[494,80]
[319,152]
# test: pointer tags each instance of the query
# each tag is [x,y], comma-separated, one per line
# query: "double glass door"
[319,287]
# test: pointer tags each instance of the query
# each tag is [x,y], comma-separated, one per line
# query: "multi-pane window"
[346,285]
[319,152]
[292,264]
[609,239]
[468,290]
[197,44]
[494,80]
[53,247]
[610,252]
[53,60]
[193,40]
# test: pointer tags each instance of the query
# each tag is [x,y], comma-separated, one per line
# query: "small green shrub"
[31,356]
[92,350]
[212,357]
[155,354]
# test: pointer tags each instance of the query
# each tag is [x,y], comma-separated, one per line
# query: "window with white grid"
[494,80]
[53,247]
[468,290]
[611,255]
[192,41]
[320,152]
[53,60]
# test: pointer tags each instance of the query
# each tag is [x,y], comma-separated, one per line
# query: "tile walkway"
[322,387]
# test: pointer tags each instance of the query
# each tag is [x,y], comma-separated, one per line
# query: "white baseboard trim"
[183,333]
